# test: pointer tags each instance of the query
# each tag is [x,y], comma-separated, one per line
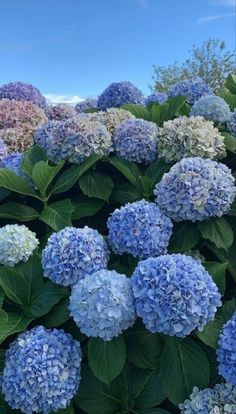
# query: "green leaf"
[58,215]
[11,323]
[183,366]
[211,332]
[43,174]
[11,181]
[125,192]
[175,105]
[58,315]
[230,142]
[86,208]
[4,193]
[96,184]
[229,98]
[68,410]
[218,231]
[143,348]
[146,185]
[185,236]
[230,83]
[32,272]
[94,396]
[18,211]
[106,358]
[68,178]
[145,388]
[139,111]
[156,170]
[217,271]
[129,169]
[31,157]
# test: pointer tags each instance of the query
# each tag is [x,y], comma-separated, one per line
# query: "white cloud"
[214,17]
[66,99]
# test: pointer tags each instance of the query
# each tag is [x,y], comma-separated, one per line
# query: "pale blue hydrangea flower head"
[17,244]
[74,140]
[212,108]
[59,112]
[118,94]
[193,89]
[13,162]
[86,104]
[140,229]
[21,91]
[174,294]
[136,140]
[42,371]
[219,400]
[3,149]
[231,123]
[102,304]
[156,97]
[196,189]
[227,351]
[73,253]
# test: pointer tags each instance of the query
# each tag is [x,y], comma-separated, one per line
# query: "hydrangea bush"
[117,252]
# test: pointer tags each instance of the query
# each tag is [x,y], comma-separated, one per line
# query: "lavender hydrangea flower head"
[156,97]
[59,112]
[17,244]
[42,371]
[140,229]
[13,162]
[212,108]
[73,253]
[136,140]
[193,89]
[227,351]
[3,149]
[20,114]
[74,140]
[86,104]
[196,189]
[221,399]
[102,304]
[22,92]
[185,137]
[231,123]
[174,294]
[118,94]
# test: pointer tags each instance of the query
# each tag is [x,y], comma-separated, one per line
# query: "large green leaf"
[156,170]
[68,410]
[11,181]
[145,388]
[185,236]
[139,111]
[18,211]
[58,315]
[96,184]
[58,215]
[43,175]
[11,323]
[175,104]
[230,142]
[106,358]
[129,169]
[31,157]
[230,83]
[229,98]
[126,193]
[217,271]
[68,178]
[86,208]
[183,366]
[218,231]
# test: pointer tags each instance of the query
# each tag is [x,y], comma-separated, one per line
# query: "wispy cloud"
[66,99]
[214,17]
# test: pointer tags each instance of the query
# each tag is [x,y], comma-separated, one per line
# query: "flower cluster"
[140,229]
[86,104]
[193,89]
[102,304]
[136,140]
[221,399]
[113,117]
[231,123]
[156,97]
[174,294]
[118,94]
[185,137]
[13,162]
[73,140]
[73,253]
[17,244]
[20,114]
[59,112]
[212,107]
[22,92]
[227,351]
[42,371]
[196,189]
[18,139]
[3,149]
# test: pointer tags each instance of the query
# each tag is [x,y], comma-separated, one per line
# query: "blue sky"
[78,47]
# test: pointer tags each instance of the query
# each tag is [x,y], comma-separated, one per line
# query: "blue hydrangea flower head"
[59,112]
[3,149]
[73,253]
[156,97]
[102,304]
[196,189]
[140,229]
[17,244]
[118,94]
[227,351]
[86,104]
[42,371]
[174,294]
[221,399]
[212,108]
[45,134]
[136,140]
[231,123]
[13,162]
[192,88]
[21,91]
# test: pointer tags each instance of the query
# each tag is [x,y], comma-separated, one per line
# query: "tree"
[211,62]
